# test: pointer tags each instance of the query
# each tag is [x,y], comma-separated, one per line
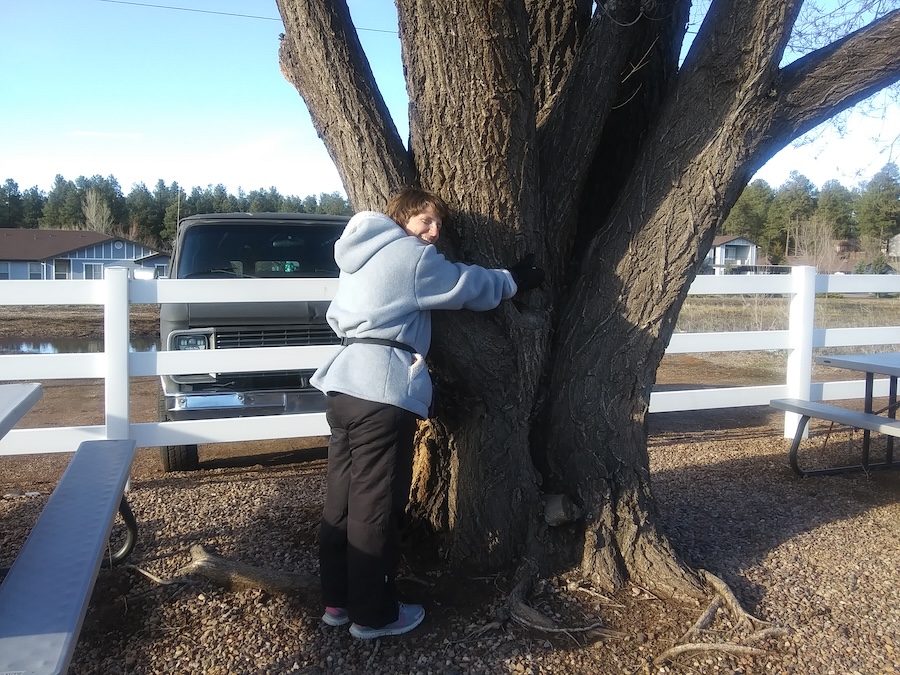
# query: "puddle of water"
[71,346]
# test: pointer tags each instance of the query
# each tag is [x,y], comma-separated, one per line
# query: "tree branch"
[829,80]
[556,30]
[739,37]
[572,122]
[322,57]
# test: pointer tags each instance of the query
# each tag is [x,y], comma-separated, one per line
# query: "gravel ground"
[815,556]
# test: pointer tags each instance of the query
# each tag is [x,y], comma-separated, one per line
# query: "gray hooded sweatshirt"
[389,282]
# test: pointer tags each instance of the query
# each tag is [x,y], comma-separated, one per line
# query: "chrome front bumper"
[215,404]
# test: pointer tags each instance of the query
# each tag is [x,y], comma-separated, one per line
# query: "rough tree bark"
[579,138]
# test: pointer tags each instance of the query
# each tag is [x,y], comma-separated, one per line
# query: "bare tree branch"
[97,213]
[322,57]
[829,80]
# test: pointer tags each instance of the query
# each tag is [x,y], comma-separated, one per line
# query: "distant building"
[893,247]
[73,254]
[728,252]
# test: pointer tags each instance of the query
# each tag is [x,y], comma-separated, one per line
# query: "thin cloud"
[104,134]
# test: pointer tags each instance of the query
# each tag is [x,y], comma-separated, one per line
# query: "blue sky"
[145,93]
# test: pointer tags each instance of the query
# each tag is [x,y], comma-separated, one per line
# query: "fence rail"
[116,365]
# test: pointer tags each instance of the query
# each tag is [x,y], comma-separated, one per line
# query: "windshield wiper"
[218,270]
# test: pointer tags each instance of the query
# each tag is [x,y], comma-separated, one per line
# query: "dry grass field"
[710,313]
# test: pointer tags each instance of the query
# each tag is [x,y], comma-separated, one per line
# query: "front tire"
[175,457]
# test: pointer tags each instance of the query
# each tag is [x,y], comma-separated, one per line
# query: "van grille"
[275,336]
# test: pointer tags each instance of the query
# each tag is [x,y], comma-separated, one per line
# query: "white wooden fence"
[115,365]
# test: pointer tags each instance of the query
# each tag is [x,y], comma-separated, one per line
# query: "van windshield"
[258,250]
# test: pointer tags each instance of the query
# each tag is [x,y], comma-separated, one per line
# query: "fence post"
[800,327]
[115,347]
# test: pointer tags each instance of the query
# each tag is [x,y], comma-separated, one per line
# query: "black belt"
[378,341]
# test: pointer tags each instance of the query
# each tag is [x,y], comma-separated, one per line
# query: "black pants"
[369,474]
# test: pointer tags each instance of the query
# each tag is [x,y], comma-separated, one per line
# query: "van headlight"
[189,341]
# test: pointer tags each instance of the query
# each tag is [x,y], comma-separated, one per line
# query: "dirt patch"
[46,322]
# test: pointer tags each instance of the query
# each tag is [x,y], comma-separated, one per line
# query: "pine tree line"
[795,218]
[143,215]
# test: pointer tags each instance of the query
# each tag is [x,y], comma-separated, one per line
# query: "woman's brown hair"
[410,202]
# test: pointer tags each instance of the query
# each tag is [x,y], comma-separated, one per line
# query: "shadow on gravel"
[727,506]
[725,496]
[727,424]
[267,459]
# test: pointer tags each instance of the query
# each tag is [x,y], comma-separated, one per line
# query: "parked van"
[244,246]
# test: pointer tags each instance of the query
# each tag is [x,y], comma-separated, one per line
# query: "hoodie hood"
[367,233]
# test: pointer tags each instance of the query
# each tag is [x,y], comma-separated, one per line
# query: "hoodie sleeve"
[441,284]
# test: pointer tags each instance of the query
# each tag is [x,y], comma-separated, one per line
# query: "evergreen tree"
[334,204]
[879,205]
[793,203]
[836,206]
[144,214]
[748,216]
[222,201]
[63,207]
[11,205]
[33,201]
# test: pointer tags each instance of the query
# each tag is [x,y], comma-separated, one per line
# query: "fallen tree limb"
[159,580]
[237,575]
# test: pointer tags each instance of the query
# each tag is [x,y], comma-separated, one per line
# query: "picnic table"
[44,595]
[886,363]
[869,420]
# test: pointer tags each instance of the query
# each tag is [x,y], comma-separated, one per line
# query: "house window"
[62,268]
[93,271]
[162,271]
[34,270]
[4,270]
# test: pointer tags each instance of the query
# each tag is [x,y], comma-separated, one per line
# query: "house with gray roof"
[73,254]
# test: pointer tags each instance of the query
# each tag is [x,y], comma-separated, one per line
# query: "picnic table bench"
[44,595]
[867,421]
[16,399]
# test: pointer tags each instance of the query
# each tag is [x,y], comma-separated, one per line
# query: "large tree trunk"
[576,140]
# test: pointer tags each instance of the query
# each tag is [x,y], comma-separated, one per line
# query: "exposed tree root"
[678,650]
[724,592]
[517,605]
[517,609]
[705,619]
[746,625]
[576,587]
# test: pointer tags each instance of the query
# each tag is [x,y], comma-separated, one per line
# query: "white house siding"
[737,251]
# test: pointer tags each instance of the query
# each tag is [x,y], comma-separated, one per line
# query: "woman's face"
[426,226]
